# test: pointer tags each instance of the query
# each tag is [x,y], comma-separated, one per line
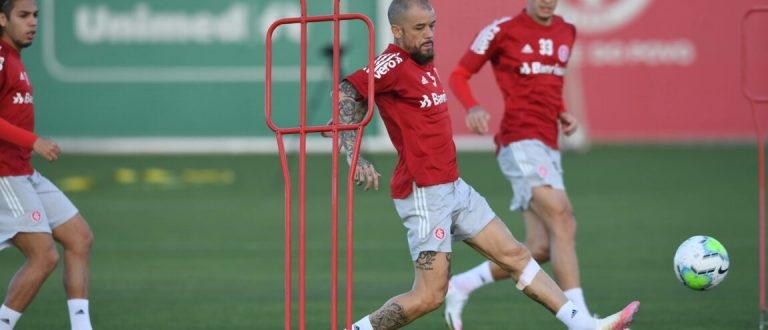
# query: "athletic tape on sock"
[529,272]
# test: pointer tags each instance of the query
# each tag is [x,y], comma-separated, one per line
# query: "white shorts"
[437,215]
[31,204]
[527,164]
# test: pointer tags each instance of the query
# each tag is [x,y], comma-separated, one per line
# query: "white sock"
[577,296]
[8,318]
[79,317]
[575,318]
[363,324]
[474,278]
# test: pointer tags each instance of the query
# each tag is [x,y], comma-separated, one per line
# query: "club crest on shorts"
[543,172]
[439,233]
[36,216]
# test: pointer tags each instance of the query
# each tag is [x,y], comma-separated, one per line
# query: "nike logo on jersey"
[527,49]
[23,98]
[2,60]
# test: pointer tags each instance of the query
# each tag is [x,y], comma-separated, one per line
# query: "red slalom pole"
[302,130]
[755,101]
[335,172]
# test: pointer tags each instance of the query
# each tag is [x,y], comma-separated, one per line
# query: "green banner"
[181,68]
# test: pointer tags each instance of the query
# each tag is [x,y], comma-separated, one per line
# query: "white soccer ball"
[701,263]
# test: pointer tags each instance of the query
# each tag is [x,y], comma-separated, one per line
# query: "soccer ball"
[701,263]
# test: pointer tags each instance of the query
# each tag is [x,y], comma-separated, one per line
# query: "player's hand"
[477,120]
[569,122]
[47,148]
[366,173]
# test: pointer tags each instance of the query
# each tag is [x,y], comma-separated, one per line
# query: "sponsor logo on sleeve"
[484,38]
[385,63]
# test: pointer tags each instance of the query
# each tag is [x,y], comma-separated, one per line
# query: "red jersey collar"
[6,45]
[532,23]
[407,56]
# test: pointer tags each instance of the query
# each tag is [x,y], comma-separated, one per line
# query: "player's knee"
[429,298]
[539,252]
[432,301]
[565,225]
[81,242]
[45,261]
[86,240]
[514,257]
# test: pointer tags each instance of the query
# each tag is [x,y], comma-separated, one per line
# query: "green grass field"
[197,242]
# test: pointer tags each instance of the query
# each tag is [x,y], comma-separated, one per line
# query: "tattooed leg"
[425,260]
[428,293]
[391,316]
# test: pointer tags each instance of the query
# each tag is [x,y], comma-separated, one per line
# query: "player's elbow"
[459,78]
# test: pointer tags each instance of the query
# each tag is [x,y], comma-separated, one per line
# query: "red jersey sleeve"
[459,83]
[573,31]
[15,135]
[482,49]
[11,133]
[384,75]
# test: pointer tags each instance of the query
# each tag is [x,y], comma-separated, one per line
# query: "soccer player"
[529,54]
[33,212]
[434,203]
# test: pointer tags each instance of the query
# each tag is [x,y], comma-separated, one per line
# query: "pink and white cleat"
[620,320]
[454,304]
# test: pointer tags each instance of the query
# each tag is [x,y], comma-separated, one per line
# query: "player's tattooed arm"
[390,316]
[352,111]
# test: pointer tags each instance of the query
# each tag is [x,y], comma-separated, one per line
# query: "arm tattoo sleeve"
[350,111]
[391,316]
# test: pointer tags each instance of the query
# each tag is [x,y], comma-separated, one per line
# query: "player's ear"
[3,20]
[397,31]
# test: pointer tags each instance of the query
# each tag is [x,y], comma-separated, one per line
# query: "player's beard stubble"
[423,57]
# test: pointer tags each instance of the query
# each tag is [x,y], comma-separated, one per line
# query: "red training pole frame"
[302,131]
[754,101]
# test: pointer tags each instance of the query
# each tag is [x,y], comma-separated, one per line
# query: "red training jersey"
[529,61]
[412,103]
[17,114]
